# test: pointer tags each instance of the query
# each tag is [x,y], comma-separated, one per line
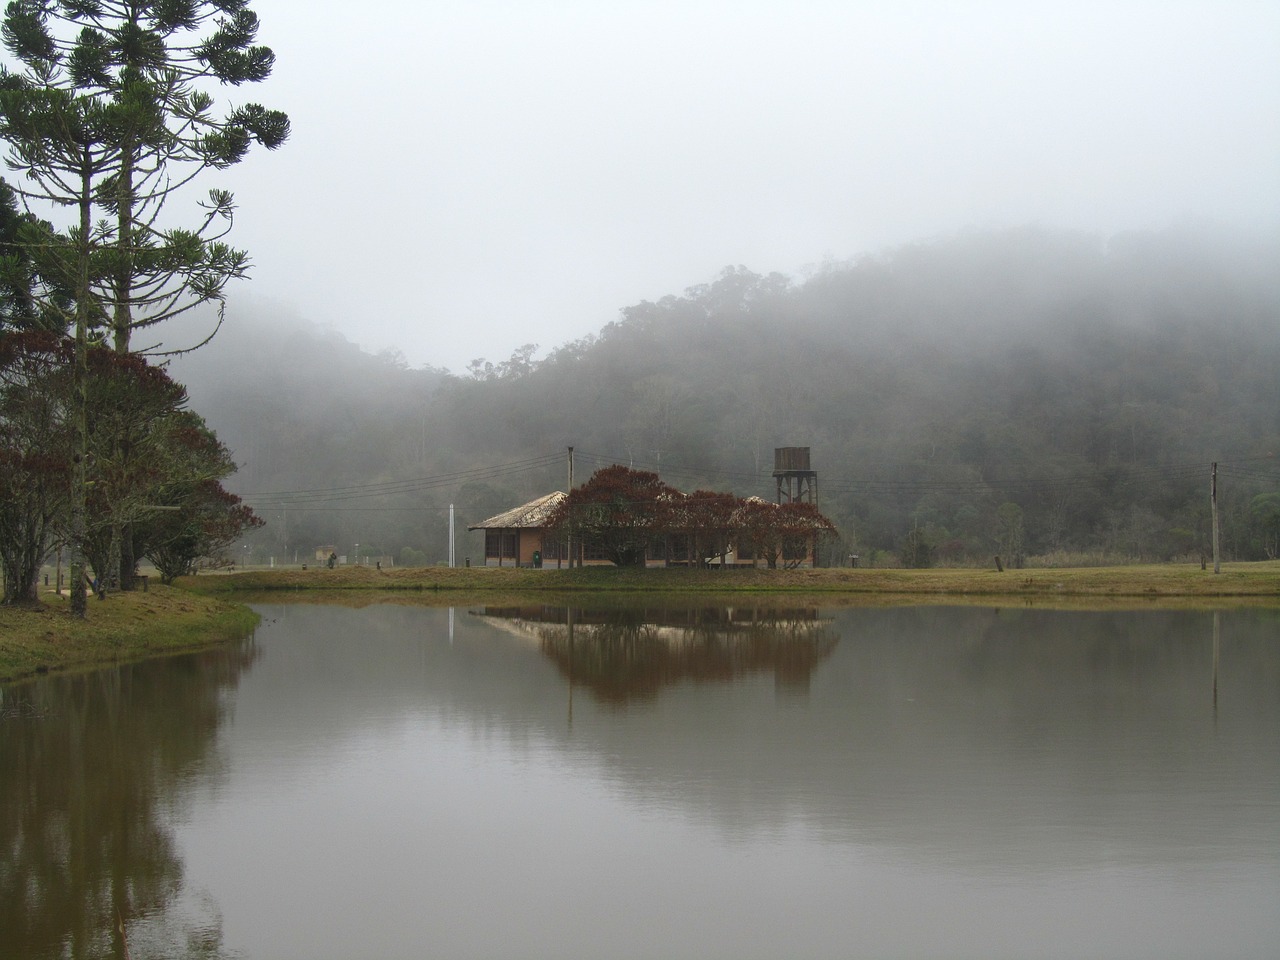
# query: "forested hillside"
[1027,393]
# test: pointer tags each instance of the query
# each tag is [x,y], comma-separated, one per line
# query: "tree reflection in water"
[626,655]
[92,763]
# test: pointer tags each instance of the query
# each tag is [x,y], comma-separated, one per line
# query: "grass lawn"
[198,612]
[1237,580]
[125,626]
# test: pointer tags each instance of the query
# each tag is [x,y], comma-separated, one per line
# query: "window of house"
[500,544]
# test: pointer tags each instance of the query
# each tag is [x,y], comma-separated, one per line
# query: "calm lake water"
[409,782]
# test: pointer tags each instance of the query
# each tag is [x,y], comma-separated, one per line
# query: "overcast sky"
[468,176]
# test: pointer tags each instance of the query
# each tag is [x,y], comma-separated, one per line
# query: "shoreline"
[211,609]
[1258,581]
[35,641]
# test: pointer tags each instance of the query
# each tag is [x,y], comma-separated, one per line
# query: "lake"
[402,781]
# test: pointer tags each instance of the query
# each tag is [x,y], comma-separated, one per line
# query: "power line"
[1255,475]
[316,495]
[888,485]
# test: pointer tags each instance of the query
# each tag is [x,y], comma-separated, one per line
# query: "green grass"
[197,612]
[1237,580]
[125,626]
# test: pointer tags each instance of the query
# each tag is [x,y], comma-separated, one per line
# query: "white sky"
[468,176]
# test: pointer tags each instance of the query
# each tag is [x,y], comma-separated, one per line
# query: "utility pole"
[1213,507]
[569,540]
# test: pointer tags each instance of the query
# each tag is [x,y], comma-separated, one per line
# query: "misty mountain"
[1077,387]
[298,404]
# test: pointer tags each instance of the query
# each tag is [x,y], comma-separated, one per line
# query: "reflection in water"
[90,764]
[1217,648]
[398,784]
[631,654]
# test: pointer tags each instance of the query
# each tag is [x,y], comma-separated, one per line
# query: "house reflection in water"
[625,655]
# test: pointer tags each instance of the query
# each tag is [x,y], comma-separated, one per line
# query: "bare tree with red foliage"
[706,518]
[619,512]
[203,519]
[781,533]
[622,512]
[35,455]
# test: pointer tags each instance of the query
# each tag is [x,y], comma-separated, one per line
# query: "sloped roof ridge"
[531,514]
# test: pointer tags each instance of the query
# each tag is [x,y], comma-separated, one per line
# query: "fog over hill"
[1058,388]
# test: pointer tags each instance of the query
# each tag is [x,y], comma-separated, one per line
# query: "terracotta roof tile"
[532,514]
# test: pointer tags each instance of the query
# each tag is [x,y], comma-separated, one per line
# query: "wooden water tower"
[796,482]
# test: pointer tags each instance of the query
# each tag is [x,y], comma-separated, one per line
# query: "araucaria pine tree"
[111,115]
[156,64]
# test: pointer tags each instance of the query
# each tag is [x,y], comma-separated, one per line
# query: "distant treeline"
[1027,393]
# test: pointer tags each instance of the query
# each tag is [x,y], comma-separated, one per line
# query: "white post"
[451,547]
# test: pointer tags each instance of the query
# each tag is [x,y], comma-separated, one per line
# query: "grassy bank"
[196,612]
[126,626]
[1259,581]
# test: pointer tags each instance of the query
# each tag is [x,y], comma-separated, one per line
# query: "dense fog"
[1041,393]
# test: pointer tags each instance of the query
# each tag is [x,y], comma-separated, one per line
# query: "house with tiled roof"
[515,538]
[694,532]
[519,538]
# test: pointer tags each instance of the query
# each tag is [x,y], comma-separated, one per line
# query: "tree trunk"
[128,560]
[80,401]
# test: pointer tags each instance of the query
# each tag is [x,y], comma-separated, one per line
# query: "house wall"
[529,541]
